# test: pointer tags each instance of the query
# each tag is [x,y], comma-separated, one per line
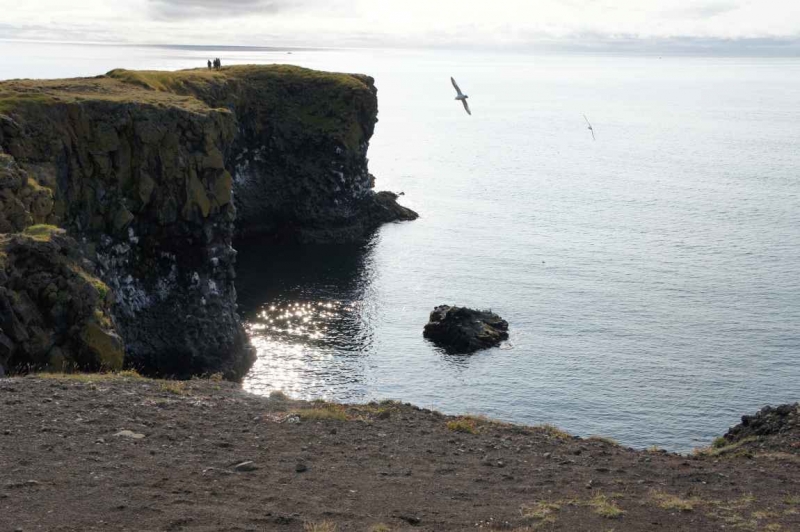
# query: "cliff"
[154,173]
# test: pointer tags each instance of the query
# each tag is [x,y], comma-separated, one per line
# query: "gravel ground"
[94,452]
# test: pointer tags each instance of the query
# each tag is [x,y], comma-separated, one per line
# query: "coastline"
[323,466]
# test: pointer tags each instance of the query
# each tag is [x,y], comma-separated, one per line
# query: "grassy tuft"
[603,439]
[380,527]
[792,500]
[544,511]
[716,450]
[554,432]
[324,412]
[278,395]
[174,387]
[463,424]
[322,526]
[604,507]
[129,374]
[665,501]
[719,442]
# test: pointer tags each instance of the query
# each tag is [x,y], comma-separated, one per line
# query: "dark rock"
[245,467]
[464,330]
[301,468]
[410,519]
[301,174]
[769,421]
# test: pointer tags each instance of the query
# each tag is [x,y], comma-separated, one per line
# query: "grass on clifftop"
[297,102]
[178,82]
[10,101]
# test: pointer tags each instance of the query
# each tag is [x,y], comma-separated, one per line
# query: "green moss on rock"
[43,232]
[53,312]
[104,344]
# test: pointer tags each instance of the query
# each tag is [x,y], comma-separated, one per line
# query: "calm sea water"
[650,277]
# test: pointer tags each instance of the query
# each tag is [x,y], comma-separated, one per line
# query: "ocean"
[649,277]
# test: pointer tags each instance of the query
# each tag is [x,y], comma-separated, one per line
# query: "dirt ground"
[68,464]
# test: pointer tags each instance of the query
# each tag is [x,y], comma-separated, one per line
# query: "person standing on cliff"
[209,64]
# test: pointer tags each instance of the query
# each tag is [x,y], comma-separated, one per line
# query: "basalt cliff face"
[153,174]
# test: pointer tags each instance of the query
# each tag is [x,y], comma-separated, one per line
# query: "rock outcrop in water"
[464,330]
[148,170]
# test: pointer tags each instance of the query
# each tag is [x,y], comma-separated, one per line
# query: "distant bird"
[461,96]
[590,126]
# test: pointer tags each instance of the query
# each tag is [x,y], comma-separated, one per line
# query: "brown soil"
[322,467]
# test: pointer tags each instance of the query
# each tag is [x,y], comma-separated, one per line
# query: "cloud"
[188,9]
[703,10]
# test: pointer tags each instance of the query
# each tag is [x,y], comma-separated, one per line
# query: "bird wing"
[587,120]
[466,107]
[592,130]
[456,86]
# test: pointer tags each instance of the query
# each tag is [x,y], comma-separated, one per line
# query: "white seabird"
[461,96]
[590,126]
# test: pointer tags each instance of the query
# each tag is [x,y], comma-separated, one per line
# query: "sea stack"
[464,330]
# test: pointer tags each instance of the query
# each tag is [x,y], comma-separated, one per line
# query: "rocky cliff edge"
[154,174]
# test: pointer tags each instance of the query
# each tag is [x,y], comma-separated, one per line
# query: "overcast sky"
[400,22]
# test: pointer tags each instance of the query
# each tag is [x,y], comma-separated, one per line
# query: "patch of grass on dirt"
[666,501]
[554,432]
[780,457]
[719,449]
[733,512]
[277,395]
[543,511]
[174,387]
[323,412]
[91,377]
[322,526]
[604,507]
[380,527]
[463,424]
[382,410]
[603,439]
[719,442]
[792,500]
[129,374]
[762,515]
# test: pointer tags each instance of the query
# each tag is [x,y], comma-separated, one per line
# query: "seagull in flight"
[461,96]
[590,126]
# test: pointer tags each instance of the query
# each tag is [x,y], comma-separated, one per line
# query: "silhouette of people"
[209,64]
[217,63]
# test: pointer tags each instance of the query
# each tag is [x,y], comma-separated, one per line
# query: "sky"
[407,23]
